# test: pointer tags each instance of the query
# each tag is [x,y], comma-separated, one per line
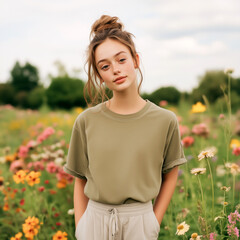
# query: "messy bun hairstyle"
[103,28]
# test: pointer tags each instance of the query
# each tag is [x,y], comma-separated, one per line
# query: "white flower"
[207,153]
[182,228]
[220,170]
[235,169]
[226,189]
[2,159]
[71,211]
[228,70]
[60,153]
[195,236]
[216,218]
[58,161]
[35,157]
[197,171]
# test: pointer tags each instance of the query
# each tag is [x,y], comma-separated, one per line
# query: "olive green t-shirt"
[123,156]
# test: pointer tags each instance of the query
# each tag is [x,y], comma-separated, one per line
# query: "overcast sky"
[178,40]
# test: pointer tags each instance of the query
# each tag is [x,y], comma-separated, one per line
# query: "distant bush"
[221,104]
[7,94]
[65,92]
[36,98]
[170,94]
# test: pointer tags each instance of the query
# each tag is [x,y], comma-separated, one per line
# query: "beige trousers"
[133,221]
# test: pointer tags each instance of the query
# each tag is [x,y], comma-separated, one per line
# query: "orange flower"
[52,191]
[17,236]
[30,227]
[19,176]
[33,178]
[11,158]
[18,210]
[6,206]
[60,236]
[62,183]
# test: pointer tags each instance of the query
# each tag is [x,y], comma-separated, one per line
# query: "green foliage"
[65,92]
[7,93]
[36,98]
[24,78]
[210,85]
[170,94]
[220,105]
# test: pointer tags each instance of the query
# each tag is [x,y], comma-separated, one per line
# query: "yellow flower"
[78,110]
[17,236]
[197,171]
[33,178]
[60,236]
[198,108]
[225,203]
[19,176]
[182,228]
[195,236]
[234,143]
[207,153]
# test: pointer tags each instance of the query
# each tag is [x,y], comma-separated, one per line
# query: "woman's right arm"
[80,199]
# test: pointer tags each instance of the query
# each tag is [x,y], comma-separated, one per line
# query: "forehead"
[108,49]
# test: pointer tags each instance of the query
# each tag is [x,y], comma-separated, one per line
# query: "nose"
[116,69]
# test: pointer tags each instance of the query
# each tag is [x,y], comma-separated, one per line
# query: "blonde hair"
[103,28]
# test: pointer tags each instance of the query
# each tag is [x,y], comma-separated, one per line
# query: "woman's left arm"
[163,199]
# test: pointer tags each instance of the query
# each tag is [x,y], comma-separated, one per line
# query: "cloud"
[177,40]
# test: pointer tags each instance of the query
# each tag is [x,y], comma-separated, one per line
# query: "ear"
[136,65]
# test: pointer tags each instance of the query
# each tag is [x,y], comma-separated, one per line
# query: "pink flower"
[51,167]
[31,144]
[163,103]
[17,165]
[236,151]
[62,174]
[38,165]
[213,235]
[183,130]
[188,141]
[233,217]
[221,116]
[232,230]
[23,151]
[200,130]
[45,134]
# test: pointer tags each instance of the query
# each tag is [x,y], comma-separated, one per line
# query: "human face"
[114,60]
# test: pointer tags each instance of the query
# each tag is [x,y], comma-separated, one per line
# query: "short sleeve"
[173,153]
[77,160]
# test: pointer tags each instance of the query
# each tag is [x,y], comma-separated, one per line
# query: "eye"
[104,67]
[122,59]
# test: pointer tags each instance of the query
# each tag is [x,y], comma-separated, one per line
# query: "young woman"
[124,152]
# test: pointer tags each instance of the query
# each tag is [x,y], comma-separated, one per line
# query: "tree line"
[24,90]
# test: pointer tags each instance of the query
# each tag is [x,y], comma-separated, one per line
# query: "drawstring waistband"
[113,222]
[116,210]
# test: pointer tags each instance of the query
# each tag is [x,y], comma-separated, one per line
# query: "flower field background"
[36,195]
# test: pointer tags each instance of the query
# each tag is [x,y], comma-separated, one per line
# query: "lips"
[119,78]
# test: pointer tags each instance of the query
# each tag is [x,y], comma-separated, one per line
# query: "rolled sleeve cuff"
[73,173]
[173,164]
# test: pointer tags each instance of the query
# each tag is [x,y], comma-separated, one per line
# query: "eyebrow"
[102,60]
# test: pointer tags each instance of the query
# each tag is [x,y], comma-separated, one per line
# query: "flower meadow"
[36,195]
